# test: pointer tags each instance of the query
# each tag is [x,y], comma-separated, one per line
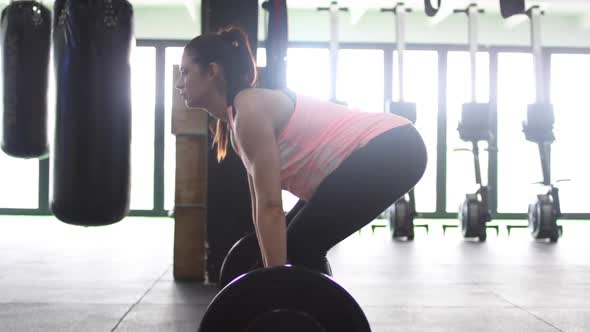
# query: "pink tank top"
[319,136]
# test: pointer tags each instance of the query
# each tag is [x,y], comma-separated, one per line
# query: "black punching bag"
[91,155]
[228,195]
[276,44]
[26,39]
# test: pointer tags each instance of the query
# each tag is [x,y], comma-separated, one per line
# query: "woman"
[346,166]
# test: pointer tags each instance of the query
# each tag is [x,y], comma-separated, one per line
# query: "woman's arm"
[253,202]
[252,197]
[256,139]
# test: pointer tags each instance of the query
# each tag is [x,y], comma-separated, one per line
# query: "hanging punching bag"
[276,44]
[25,38]
[91,158]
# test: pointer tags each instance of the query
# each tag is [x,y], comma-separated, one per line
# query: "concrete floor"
[56,277]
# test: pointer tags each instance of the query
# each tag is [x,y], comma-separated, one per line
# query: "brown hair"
[230,48]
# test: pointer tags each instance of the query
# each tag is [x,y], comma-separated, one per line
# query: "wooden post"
[190,202]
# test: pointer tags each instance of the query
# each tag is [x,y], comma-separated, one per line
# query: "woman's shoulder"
[259,99]
[274,105]
[255,94]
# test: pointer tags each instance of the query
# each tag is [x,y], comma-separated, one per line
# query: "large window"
[518,159]
[19,178]
[360,84]
[421,87]
[460,168]
[20,183]
[570,79]
[308,72]
[360,79]
[143,92]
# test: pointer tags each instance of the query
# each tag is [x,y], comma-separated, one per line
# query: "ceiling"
[561,7]
[551,6]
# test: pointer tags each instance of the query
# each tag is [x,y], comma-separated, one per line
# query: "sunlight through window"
[460,167]
[308,72]
[20,182]
[570,78]
[519,165]
[143,92]
[360,79]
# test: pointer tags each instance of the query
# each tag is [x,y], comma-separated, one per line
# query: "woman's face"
[194,84]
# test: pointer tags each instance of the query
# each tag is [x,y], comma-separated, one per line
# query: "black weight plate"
[243,257]
[284,321]
[284,288]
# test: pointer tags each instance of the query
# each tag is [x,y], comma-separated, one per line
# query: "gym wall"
[177,23]
[375,27]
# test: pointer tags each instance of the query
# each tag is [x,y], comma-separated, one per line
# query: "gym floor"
[56,277]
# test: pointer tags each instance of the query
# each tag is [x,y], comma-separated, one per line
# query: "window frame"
[388,49]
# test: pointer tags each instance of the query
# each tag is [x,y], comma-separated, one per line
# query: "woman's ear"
[216,75]
[214,70]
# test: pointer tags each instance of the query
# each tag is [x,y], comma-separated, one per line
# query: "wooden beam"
[190,199]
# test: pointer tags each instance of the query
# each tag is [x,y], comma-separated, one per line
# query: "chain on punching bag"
[26,39]
[91,157]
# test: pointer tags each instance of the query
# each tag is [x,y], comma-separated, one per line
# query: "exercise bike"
[475,126]
[545,210]
[474,211]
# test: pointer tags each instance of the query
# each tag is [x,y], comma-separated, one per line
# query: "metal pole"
[535,19]
[400,22]
[333,48]
[473,17]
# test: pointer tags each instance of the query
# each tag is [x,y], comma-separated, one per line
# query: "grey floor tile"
[544,295]
[33,317]
[454,320]
[72,292]
[427,295]
[556,276]
[170,292]
[570,320]
[66,278]
[163,318]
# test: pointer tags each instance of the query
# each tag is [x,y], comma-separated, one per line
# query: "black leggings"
[369,181]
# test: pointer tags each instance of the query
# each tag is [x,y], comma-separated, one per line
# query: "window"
[173,57]
[518,159]
[308,72]
[20,182]
[261,57]
[360,79]
[20,177]
[570,78]
[460,167]
[421,87]
[143,92]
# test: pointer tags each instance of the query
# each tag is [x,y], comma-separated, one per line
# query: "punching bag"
[276,44]
[26,39]
[91,155]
